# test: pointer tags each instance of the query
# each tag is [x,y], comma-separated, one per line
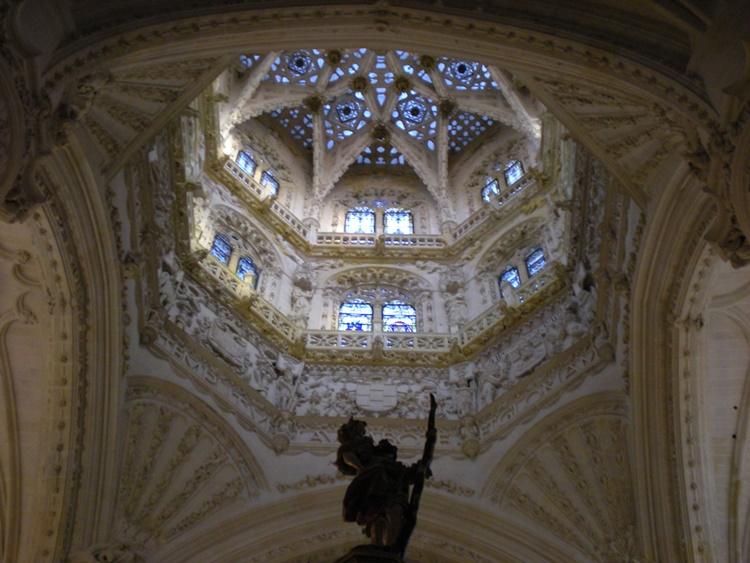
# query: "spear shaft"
[423,472]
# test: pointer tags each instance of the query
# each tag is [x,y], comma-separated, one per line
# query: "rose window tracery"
[382,108]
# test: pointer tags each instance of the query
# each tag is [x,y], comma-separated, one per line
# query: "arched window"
[490,190]
[513,172]
[511,277]
[246,162]
[247,270]
[399,317]
[355,315]
[360,220]
[221,249]
[398,222]
[535,262]
[267,179]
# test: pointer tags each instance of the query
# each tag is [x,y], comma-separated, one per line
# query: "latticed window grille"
[511,277]
[535,262]
[513,172]
[246,162]
[221,249]
[398,222]
[399,317]
[355,315]
[490,190]
[247,270]
[360,220]
[267,179]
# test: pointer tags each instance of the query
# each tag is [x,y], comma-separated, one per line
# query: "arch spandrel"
[296,528]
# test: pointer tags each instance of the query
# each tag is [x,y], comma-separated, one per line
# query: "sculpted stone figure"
[378,497]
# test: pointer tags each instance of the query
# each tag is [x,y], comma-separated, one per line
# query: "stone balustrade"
[261,193]
[473,224]
[346,239]
[391,341]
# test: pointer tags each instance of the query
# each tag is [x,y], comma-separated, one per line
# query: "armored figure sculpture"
[378,497]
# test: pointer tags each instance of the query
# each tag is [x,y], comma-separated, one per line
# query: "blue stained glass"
[355,315]
[299,62]
[511,277]
[513,172]
[398,222]
[413,110]
[267,179]
[465,127]
[399,317]
[535,262]
[347,110]
[490,190]
[360,220]
[249,60]
[246,162]
[221,249]
[462,70]
[246,266]
[465,75]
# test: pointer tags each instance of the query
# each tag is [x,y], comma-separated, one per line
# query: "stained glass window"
[299,62]
[360,220]
[246,267]
[270,182]
[355,315]
[417,117]
[221,249]
[298,121]
[381,154]
[347,110]
[399,317]
[535,262]
[398,222]
[246,162]
[513,172]
[490,190]
[300,67]
[511,277]
[345,116]
[464,127]
[465,75]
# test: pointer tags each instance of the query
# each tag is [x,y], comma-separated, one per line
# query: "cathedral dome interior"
[227,228]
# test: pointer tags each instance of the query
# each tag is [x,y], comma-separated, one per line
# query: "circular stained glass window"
[462,70]
[347,110]
[413,110]
[299,62]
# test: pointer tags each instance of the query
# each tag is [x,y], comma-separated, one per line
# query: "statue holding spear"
[378,498]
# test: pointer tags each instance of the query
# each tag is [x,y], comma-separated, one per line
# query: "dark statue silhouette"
[378,497]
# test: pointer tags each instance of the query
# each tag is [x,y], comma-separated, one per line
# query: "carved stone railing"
[289,218]
[333,339]
[472,222]
[263,314]
[406,341]
[473,226]
[359,240]
[484,215]
[270,321]
[417,241]
[552,277]
[245,179]
[254,188]
[418,342]
[272,317]
[345,239]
